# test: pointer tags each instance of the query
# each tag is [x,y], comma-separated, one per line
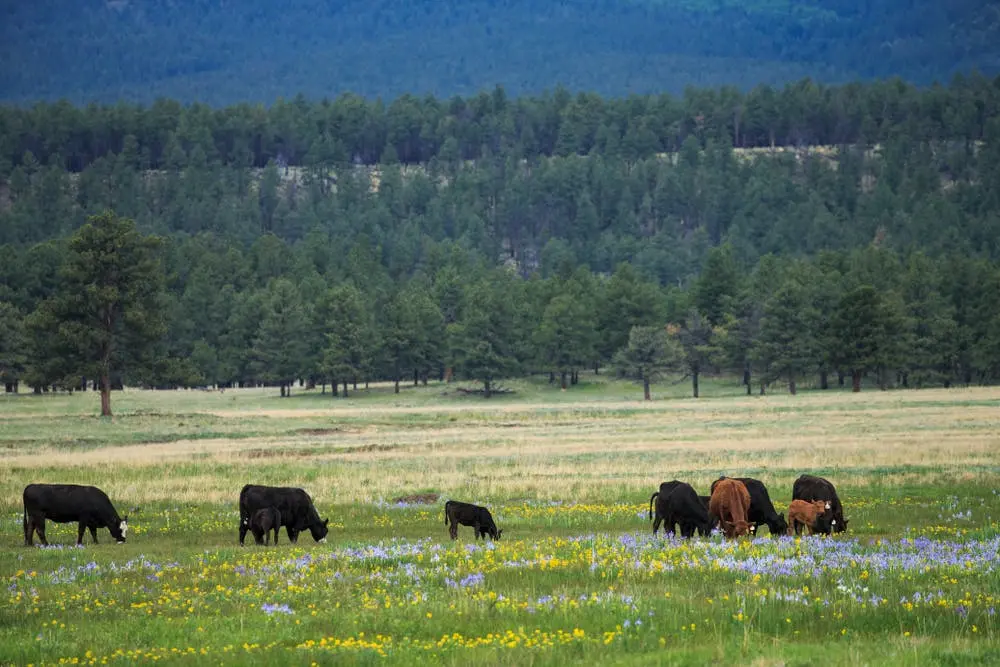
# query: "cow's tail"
[651,499]
[446,512]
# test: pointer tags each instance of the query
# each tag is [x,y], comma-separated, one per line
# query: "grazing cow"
[470,515]
[761,508]
[731,502]
[810,487]
[294,505]
[65,503]
[665,489]
[263,522]
[815,515]
[677,502]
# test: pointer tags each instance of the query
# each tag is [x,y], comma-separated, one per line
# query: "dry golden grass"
[543,450]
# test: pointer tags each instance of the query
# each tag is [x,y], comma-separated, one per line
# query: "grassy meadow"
[577,577]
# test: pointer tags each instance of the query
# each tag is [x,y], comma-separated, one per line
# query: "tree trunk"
[323,389]
[9,387]
[747,379]
[597,368]
[905,380]
[355,381]
[562,382]
[552,377]
[855,381]
[824,381]
[882,381]
[645,389]
[345,388]
[694,383]
[763,387]
[311,383]
[105,395]
[791,385]
[83,384]
[416,377]
[334,389]
[574,378]
[282,389]
[840,378]
[36,390]
[423,378]
[486,389]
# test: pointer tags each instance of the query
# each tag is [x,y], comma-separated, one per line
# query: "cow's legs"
[244,526]
[277,531]
[293,536]
[29,529]
[81,527]
[40,529]
[93,532]
[453,531]
[478,529]
[656,523]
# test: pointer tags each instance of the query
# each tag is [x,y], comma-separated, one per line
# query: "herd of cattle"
[739,504]
[736,504]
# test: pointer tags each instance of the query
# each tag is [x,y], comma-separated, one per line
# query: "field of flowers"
[918,580]
[577,577]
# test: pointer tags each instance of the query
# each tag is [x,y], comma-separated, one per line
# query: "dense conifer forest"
[804,235]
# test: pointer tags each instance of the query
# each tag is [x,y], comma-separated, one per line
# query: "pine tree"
[13,346]
[107,311]
[279,348]
[485,342]
[649,354]
[786,343]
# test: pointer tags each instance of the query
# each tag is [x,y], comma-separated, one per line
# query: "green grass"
[915,581]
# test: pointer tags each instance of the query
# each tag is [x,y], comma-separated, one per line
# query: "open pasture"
[577,576]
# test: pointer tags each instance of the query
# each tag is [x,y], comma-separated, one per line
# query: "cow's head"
[496,533]
[840,526]
[120,531]
[319,530]
[780,526]
[739,527]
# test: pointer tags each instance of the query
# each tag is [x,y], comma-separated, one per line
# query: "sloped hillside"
[221,52]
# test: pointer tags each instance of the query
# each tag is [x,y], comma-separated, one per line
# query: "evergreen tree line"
[659,213]
[197,312]
[411,129]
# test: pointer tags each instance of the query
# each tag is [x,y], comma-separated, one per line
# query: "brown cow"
[815,515]
[730,502]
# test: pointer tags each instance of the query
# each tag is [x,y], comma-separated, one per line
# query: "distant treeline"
[412,129]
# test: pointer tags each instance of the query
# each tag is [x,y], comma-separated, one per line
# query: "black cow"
[295,506]
[470,515]
[810,487]
[263,522]
[677,502]
[65,503]
[761,508]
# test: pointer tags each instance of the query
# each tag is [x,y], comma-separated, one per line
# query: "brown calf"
[811,514]
[730,502]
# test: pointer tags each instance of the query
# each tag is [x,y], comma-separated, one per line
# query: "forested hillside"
[223,52]
[347,240]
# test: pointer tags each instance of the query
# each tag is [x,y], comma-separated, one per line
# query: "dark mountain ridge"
[220,52]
